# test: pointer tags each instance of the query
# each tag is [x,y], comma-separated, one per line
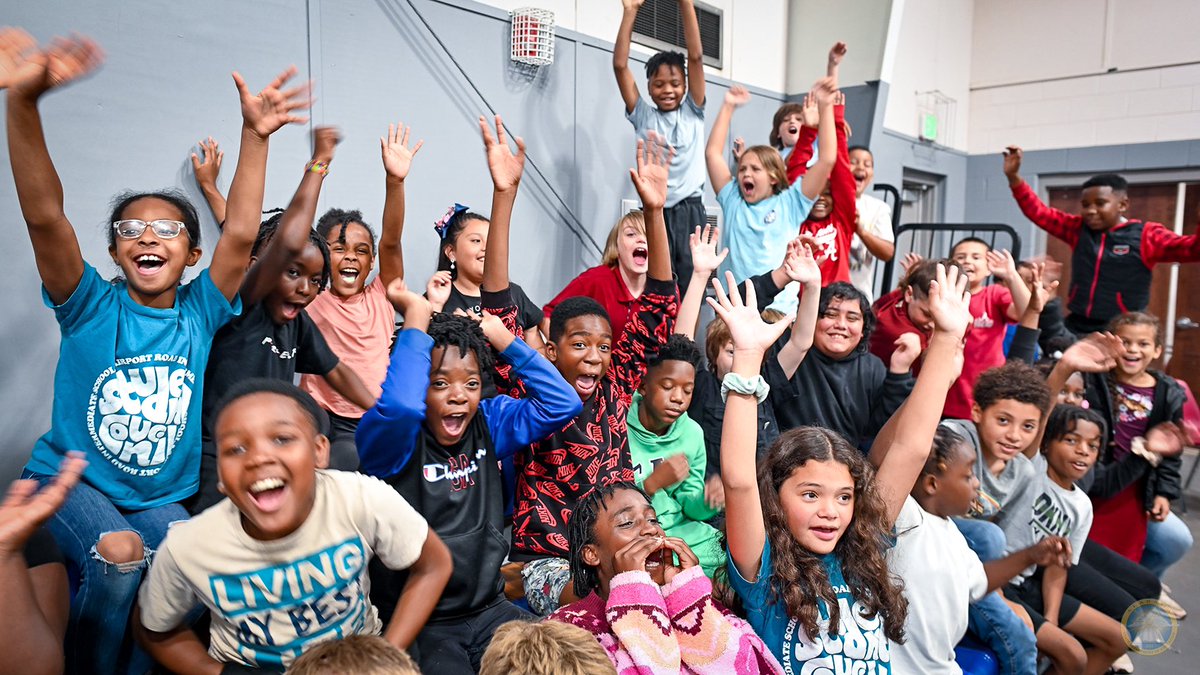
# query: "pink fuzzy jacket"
[676,628]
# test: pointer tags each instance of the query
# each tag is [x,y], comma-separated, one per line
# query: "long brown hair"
[798,577]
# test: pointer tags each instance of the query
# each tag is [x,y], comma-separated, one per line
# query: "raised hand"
[1001,264]
[493,328]
[1096,353]
[16,46]
[632,4]
[824,90]
[26,508]
[950,301]
[746,326]
[1040,292]
[209,168]
[325,139]
[739,146]
[31,73]
[799,263]
[397,156]
[437,291]
[650,176]
[269,110]
[505,167]
[810,114]
[737,96]
[405,301]
[703,244]
[836,53]
[1012,160]
[909,261]
[908,349]
[687,559]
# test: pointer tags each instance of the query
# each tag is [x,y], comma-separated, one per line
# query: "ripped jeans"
[98,636]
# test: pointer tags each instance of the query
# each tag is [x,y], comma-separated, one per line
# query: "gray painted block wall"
[166,84]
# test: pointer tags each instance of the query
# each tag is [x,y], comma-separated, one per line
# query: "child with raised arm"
[281,564]
[433,440]
[605,370]
[652,615]
[676,89]
[873,235]
[130,372]
[993,308]
[355,317]
[273,337]
[206,167]
[1112,257]
[807,559]
[763,211]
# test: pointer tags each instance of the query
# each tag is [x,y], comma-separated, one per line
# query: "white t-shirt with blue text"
[272,600]
[860,646]
[127,388]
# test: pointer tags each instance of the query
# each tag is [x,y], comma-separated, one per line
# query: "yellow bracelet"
[317,167]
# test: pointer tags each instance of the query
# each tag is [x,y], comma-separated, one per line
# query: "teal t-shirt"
[128,386]
[860,647]
[758,234]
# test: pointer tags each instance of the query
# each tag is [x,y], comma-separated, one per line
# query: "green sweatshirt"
[681,507]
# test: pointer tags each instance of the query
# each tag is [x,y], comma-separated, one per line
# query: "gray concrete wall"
[166,84]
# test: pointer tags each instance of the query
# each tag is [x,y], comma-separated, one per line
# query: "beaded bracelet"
[750,386]
[317,167]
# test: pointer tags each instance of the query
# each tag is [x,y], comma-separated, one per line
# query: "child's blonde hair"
[632,219]
[772,161]
[358,654]
[544,648]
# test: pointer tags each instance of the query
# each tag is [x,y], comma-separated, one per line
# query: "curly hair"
[452,330]
[341,218]
[672,59]
[677,348]
[1015,380]
[798,577]
[1138,319]
[581,531]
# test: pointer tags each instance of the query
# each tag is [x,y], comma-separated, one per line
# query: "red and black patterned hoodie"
[592,449]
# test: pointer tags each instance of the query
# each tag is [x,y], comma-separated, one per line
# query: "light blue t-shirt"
[683,129]
[758,234]
[859,647]
[128,386]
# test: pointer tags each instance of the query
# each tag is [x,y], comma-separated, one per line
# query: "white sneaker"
[1122,665]
[1173,608]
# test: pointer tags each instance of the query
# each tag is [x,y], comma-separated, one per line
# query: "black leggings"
[1109,582]
[343,454]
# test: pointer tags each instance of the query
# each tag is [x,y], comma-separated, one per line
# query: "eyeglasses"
[163,229]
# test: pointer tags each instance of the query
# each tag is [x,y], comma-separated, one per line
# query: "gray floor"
[1183,658]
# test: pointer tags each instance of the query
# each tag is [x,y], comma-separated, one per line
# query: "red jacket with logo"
[1110,270]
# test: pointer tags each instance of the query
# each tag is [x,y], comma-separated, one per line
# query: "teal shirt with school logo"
[860,646]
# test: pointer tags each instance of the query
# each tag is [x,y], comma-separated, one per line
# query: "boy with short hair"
[905,309]
[1112,257]
[667,450]
[1005,419]
[676,88]
[605,370]
[281,564]
[873,236]
[993,308]
[357,654]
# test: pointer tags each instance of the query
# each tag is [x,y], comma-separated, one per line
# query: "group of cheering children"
[839,486]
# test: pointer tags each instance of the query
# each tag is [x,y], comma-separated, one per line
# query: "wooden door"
[1154,202]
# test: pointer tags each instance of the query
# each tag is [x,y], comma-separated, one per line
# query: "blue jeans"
[98,639]
[1166,543]
[991,619]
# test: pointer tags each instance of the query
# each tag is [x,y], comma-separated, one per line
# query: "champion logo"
[1120,249]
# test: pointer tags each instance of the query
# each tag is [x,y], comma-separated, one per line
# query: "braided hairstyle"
[267,230]
[581,531]
[341,219]
[946,443]
[451,330]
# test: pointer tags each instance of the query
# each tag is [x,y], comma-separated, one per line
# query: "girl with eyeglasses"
[127,389]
